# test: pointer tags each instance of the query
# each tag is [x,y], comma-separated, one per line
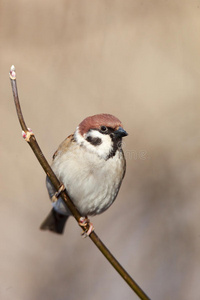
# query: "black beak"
[120,132]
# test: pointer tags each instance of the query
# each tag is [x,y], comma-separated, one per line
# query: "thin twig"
[30,138]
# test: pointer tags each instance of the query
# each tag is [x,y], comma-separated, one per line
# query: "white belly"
[91,182]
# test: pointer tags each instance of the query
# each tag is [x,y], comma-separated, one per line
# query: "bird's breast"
[92,183]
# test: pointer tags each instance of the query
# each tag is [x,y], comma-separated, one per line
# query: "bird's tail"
[54,222]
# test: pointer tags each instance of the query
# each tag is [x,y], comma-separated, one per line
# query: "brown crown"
[97,121]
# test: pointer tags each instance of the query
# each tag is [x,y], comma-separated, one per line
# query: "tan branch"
[30,138]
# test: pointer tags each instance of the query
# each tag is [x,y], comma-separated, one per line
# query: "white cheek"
[101,150]
[105,147]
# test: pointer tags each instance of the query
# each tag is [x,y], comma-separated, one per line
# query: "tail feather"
[54,222]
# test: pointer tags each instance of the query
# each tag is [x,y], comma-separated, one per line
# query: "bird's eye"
[104,128]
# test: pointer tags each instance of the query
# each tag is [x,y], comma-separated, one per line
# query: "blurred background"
[138,60]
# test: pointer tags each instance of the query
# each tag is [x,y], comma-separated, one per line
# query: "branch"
[30,138]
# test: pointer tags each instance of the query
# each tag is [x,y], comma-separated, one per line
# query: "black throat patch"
[116,147]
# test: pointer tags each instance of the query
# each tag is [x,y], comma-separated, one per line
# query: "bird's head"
[101,134]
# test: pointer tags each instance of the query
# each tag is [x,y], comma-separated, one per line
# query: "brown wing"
[64,144]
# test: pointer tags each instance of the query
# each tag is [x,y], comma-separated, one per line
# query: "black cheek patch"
[94,141]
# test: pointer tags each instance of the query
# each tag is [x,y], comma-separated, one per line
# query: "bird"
[91,165]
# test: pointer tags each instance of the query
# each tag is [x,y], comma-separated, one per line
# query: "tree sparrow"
[91,165]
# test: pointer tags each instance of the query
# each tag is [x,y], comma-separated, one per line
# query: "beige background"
[139,60]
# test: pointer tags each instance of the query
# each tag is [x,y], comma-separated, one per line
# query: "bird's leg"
[84,222]
[57,194]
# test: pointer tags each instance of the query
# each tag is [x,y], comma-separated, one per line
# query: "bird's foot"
[87,226]
[57,194]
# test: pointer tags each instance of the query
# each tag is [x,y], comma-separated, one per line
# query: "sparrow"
[90,164]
